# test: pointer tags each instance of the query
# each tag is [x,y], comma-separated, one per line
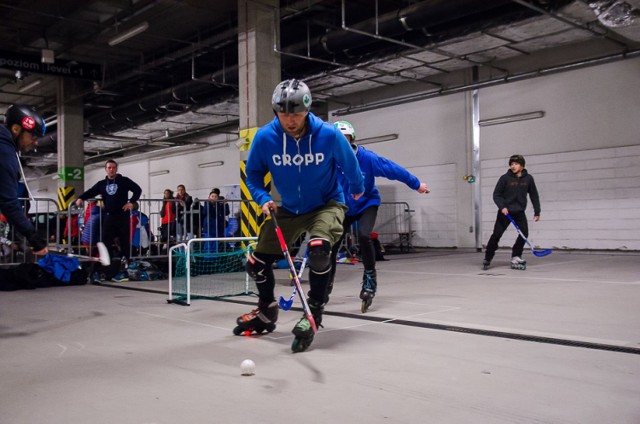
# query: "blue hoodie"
[373,166]
[9,183]
[305,172]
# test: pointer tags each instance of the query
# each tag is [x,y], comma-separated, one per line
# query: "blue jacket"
[214,215]
[9,183]
[305,172]
[373,166]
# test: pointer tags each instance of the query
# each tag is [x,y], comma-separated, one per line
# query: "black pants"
[366,221]
[502,222]
[117,226]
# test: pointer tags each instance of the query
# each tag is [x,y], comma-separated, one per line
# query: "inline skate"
[518,263]
[302,330]
[259,320]
[369,287]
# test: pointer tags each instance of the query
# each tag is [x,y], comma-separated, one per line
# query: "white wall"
[584,155]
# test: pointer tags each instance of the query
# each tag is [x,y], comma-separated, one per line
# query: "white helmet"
[346,128]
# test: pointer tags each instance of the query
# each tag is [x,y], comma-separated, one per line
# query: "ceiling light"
[511,118]
[210,164]
[377,139]
[131,32]
[29,86]
[156,173]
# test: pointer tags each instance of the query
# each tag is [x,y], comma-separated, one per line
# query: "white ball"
[248,367]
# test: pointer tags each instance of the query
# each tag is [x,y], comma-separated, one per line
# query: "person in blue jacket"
[20,132]
[365,209]
[304,155]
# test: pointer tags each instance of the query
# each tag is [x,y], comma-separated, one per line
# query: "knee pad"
[319,255]
[256,268]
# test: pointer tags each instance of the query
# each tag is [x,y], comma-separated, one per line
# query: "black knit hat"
[517,159]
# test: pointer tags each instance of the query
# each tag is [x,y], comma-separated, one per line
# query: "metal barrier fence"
[393,226]
[78,230]
[45,217]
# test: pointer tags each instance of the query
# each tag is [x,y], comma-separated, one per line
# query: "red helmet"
[26,117]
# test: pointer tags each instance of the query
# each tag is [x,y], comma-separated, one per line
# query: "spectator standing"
[168,215]
[183,211]
[114,190]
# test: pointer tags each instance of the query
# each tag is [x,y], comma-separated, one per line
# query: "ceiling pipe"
[154,106]
[487,83]
[416,17]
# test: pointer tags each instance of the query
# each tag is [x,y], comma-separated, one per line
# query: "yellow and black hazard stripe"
[251,216]
[66,195]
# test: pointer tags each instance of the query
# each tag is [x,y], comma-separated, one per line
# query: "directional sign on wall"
[65,68]
[71,173]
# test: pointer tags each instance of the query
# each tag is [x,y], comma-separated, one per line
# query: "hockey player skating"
[302,153]
[510,195]
[365,209]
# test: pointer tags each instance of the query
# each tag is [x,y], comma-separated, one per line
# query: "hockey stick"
[538,253]
[292,269]
[285,304]
[103,255]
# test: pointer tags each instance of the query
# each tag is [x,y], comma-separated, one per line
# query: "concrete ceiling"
[178,78]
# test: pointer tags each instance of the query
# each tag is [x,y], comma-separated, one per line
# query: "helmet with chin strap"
[27,118]
[291,96]
[347,129]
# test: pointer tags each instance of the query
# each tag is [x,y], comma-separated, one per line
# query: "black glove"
[36,242]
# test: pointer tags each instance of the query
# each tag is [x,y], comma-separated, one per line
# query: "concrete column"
[70,141]
[258,65]
[258,74]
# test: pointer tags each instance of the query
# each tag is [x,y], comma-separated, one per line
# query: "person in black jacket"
[20,132]
[114,190]
[510,195]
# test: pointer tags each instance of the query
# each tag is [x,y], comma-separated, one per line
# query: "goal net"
[210,268]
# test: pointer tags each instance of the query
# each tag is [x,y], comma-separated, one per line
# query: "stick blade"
[285,304]
[541,253]
[103,254]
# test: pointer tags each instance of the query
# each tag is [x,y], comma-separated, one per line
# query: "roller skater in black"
[364,210]
[510,195]
[302,153]
[259,320]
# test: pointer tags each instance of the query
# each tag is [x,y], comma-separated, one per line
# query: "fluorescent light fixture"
[377,139]
[156,173]
[210,164]
[131,32]
[48,56]
[32,84]
[511,118]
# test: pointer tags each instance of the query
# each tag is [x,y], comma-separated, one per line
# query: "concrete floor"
[444,342]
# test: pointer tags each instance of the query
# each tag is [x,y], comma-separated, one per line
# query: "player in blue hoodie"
[20,132]
[303,155]
[365,209]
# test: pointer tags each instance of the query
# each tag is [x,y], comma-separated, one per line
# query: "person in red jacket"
[168,214]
